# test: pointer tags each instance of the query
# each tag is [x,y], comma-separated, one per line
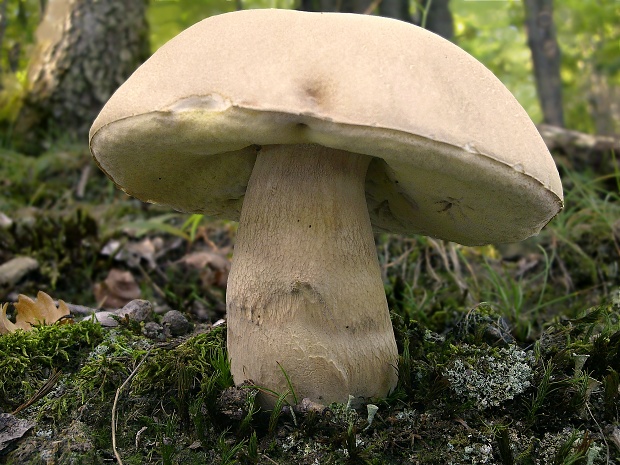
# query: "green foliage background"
[492,31]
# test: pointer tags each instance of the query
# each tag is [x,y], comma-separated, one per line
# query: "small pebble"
[5,221]
[15,269]
[138,310]
[175,323]
[153,331]
[105,318]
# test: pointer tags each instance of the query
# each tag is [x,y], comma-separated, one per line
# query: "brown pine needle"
[42,392]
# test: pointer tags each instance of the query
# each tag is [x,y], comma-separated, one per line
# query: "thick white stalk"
[305,287]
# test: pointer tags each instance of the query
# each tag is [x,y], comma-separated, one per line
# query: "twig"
[146,276]
[429,266]
[42,392]
[139,435]
[600,430]
[269,458]
[417,271]
[118,393]
[372,6]
[80,190]
[397,261]
[425,10]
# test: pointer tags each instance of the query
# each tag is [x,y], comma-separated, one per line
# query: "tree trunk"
[2,28]
[604,104]
[546,58]
[397,9]
[342,6]
[85,49]
[438,20]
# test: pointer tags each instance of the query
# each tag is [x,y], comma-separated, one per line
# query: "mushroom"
[311,129]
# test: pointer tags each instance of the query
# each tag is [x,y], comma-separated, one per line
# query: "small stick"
[601,431]
[42,392]
[118,393]
[80,190]
[269,458]
[372,7]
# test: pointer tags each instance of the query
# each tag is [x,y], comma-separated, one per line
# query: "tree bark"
[2,28]
[397,9]
[439,19]
[603,103]
[546,58]
[85,49]
[341,6]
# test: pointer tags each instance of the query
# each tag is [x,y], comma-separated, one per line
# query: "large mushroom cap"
[456,156]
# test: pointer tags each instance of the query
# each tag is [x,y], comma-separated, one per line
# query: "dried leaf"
[213,266]
[145,250]
[12,429]
[15,269]
[6,326]
[32,312]
[133,252]
[117,290]
[41,311]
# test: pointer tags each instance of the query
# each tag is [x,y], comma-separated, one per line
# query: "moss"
[198,367]
[167,404]
[28,357]
[58,242]
[90,390]
[172,410]
[73,447]
[460,361]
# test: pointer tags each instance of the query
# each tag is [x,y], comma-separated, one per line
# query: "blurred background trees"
[61,59]
[435,14]
[83,50]
[543,43]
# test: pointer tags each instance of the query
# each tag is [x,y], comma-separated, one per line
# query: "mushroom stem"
[305,288]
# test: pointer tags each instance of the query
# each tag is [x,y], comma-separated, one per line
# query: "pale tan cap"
[457,157]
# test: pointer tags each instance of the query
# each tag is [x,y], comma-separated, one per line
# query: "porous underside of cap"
[456,155]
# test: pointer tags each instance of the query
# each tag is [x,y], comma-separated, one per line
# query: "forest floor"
[508,354]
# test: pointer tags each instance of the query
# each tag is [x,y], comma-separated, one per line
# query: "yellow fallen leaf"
[32,312]
[6,326]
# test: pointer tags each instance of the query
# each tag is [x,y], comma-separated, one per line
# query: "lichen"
[489,376]
[477,450]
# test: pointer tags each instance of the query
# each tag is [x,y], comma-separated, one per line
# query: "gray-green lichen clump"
[489,376]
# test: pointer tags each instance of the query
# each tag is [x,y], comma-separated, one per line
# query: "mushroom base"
[305,295]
